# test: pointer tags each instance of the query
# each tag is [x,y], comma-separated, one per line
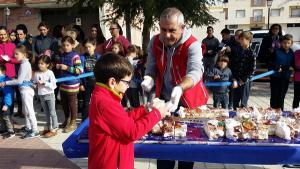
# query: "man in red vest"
[174,66]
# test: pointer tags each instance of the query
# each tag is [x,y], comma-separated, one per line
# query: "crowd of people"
[233,60]
[29,67]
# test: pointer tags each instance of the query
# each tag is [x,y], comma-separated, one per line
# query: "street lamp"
[269,4]
[6,13]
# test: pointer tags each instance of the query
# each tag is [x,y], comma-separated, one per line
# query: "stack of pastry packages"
[247,123]
[253,123]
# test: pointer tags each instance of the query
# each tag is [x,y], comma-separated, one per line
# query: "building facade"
[253,15]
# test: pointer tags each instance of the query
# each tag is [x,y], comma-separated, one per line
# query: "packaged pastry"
[233,129]
[214,129]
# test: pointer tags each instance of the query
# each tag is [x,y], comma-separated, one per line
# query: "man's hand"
[4,108]
[147,83]
[58,66]
[175,98]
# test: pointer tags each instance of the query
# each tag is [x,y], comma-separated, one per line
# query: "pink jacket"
[8,48]
[297,66]
[107,46]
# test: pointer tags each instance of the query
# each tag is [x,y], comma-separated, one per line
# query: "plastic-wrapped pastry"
[262,132]
[296,113]
[214,129]
[233,129]
[283,130]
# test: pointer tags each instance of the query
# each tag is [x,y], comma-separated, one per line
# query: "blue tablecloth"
[77,147]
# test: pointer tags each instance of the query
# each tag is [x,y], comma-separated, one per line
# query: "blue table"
[77,147]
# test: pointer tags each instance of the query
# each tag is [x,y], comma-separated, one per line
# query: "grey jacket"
[225,76]
[24,74]
[194,64]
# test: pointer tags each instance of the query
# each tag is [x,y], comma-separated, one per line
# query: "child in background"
[117,48]
[221,73]
[89,59]
[70,65]
[243,66]
[279,81]
[46,83]
[112,130]
[6,94]
[26,90]
[297,80]
[132,93]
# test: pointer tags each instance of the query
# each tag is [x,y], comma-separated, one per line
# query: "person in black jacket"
[242,65]
[212,45]
[269,44]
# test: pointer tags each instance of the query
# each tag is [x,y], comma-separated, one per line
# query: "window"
[295,12]
[257,2]
[275,12]
[240,13]
[257,15]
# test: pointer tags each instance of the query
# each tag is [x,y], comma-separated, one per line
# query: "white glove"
[175,97]
[147,83]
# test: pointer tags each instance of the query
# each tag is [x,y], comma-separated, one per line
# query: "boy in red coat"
[112,130]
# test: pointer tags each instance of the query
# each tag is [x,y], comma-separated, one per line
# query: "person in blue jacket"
[6,97]
[281,62]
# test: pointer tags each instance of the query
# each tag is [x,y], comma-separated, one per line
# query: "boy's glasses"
[125,81]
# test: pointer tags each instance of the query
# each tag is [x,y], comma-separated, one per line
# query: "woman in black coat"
[269,44]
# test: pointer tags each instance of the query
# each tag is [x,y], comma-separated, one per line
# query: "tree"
[143,14]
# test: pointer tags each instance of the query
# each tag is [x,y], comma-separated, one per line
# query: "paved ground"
[47,153]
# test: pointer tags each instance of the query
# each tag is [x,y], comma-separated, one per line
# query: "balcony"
[257,20]
[258,3]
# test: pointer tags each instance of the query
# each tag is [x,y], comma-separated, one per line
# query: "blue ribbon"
[214,84]
[208,84]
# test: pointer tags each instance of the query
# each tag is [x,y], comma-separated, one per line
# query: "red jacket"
[107,46]
[193,97]
[112,130]
[8,48]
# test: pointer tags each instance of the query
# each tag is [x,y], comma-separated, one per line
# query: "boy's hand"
[235,84]
[216,77]
[4,108]
[210,51]
[63,67]
[280,70]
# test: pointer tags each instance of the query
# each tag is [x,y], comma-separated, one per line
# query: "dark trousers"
[170,164]
[296,95]
[279,87]
[241,95]
[221,98]
[167,164]
[69,103]
[132,95]
[230,104]
[86,99]
[5,120]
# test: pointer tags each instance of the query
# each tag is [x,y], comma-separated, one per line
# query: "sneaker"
[25,129]
[9,135]
[32,134]
[2,132]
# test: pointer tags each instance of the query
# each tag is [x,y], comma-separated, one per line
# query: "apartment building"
[253,14]
[32,12]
